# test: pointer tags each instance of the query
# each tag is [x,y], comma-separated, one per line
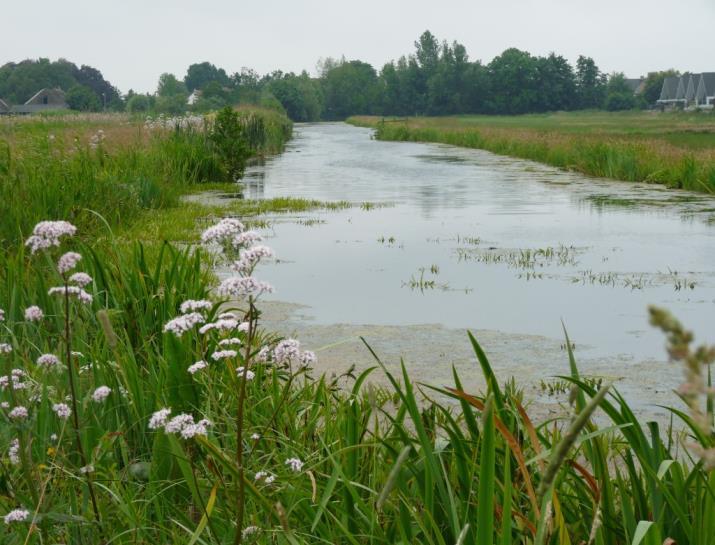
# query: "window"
[44,99]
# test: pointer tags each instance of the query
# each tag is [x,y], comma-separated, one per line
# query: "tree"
[514,79]
[654,84]
[619,96]
[83,99]
[299,95]
[138,104]
[556,84]
[590,83]
[350,89]
[170,86]
[199,75]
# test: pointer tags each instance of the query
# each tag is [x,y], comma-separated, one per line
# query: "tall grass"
[77,171]
[406,463]
[638,155]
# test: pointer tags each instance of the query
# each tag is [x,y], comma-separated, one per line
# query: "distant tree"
[299,95]
[590,83]
[92,78]
[514,79]
[83,99]
[654,84]
[556,84]
[619,96]
[172,105]
[199,75]
[138,104]
[350,89]
[170,86]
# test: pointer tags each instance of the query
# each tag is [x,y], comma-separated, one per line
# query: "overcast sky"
[133,41]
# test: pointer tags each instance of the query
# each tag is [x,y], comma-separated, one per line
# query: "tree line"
[438,78]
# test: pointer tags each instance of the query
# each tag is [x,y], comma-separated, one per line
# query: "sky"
[134,41]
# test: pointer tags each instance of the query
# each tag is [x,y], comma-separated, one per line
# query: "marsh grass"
[675,150]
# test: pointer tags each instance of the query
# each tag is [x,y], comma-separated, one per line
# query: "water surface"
[471,240]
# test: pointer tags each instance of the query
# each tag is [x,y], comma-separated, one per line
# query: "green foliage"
[138,104]
[229,143]
[200,74]
[350,88]
[81,98]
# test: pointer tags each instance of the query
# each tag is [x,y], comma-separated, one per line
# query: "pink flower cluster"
[47,234]
[182,424]
[223,232]
[241,286]
[181,324]
[72,291]
[68,262]
[48,360]
[34,314]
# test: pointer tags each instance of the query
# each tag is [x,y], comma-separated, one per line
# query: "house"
[4,107]
[691,88]
[636,85]
[705,92]
[669,91]
[43,100]
[193,97]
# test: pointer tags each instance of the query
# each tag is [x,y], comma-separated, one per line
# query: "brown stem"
[239,426]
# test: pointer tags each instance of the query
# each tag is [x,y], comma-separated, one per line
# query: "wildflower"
[192,305]
[244,327]
[227,316]
[101,394]
[89,468]
[265,476]
[249,531]
[13,453]
[48,233]
[80,279]
[5,348]
[192,430]
[77,354]
[2,315]
[263,354]
[295,464]
[221,325]
[34,314]
[72,291]
[238,286]
[18,413]
[53,437]
[224,354]
[308,358]
[196,367]
[181,324]
[62,410]
[178,423]
[286,351]
[246,239]
[68,262]
[250,375]
[16,515]
[158,419]
[4,404]
[48,360]
[249,258]
[256,436]
[224,231]
[229,342]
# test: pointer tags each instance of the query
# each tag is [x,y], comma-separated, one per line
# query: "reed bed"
[675,150]
[94,169]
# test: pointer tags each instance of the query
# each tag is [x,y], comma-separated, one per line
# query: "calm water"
[472,216]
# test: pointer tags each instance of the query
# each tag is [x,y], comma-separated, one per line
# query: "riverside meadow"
[143,402]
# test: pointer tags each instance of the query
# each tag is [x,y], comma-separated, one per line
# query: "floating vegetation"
[387,240]
[373,205]
[422,283]
[522,258]
[559,386]
[310,222]
[472,241]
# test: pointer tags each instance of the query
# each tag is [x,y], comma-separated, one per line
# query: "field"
[143,403]
[673,148]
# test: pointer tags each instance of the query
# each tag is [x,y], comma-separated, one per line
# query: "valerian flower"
[18,413]
[62,410]
[181,324]
[68,262]
[48,360]
[194,305]
[223,232]
[158,419]
[295,464]
[196,367]
[16,515]
[72,291]
[47,234]
[80,279]
[34,314]
[101,394]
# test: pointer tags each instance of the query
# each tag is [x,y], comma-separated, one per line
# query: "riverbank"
[142,412]
[675,149]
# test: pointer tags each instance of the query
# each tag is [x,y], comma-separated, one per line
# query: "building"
[42,101]
[705,92]
[669,91]
[637,85]
[691,88]
[4,107]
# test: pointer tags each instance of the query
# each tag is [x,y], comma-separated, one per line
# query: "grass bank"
[93,168]
[675,149]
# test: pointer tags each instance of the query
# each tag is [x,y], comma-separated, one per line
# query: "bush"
[229,143]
